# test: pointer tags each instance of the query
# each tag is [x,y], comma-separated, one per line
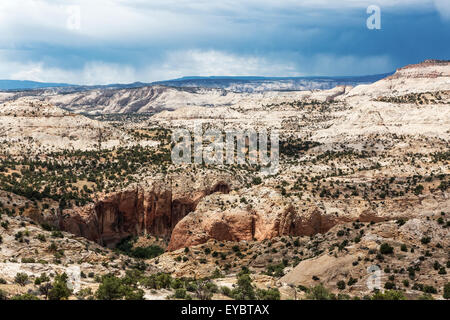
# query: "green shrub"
[388,295]
[57,234]
[217,274]
[318,292]
[110,288]
[131,293]
[426,296]
[85,294]
[41,279]
[244,289]
[147,252]
[225,291]
[269,294]
[386,249]
[205,289]
[180,293]
[3,295]
[341,285]
[60,291]
[48,227]
[418,189]
[418,286]
[352,281]
[157,281]
[429,289]
[389,285]
[256,180]
[21,279]
[275,270]
[447,291]
[25,296]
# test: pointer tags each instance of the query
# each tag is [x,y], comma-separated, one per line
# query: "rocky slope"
[374,157]
[133,212]
[159,98]
[31,126]
[141,97]
[428,76]
[413,263]
[263,213]
[27,248]
[338,259]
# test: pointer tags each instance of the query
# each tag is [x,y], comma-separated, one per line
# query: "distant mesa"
[230,83]
[26,85]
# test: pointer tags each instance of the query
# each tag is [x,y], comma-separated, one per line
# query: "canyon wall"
[134,211]
[248,224]
[196,216]
[257,214]
[262,213]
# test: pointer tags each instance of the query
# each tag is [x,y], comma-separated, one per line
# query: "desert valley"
[88,190]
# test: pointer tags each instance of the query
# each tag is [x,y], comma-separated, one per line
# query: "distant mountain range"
[236,84]
[260,84]
[25,85]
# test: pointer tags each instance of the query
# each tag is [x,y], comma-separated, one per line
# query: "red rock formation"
[132,212]
[421,70]
[238,225]
[81,222]
[268,217]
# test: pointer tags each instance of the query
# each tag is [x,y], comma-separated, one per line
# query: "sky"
[123,41]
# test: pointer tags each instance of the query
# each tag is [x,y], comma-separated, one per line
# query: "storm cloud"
[110,41]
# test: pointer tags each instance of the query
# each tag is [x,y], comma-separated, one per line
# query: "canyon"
[132,212]
[96,165]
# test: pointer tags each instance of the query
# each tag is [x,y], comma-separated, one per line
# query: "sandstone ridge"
[134,211]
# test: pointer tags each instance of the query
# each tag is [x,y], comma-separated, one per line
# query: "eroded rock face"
[265,222]
[81,222]
[268,217]
[134,211]
[262,213]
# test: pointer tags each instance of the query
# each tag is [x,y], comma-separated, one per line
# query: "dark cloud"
[121,41]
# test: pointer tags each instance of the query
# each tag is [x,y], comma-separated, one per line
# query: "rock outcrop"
[259,217]
[39,127]
[428,76]
[331,268]
[134,211]
[262,213]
